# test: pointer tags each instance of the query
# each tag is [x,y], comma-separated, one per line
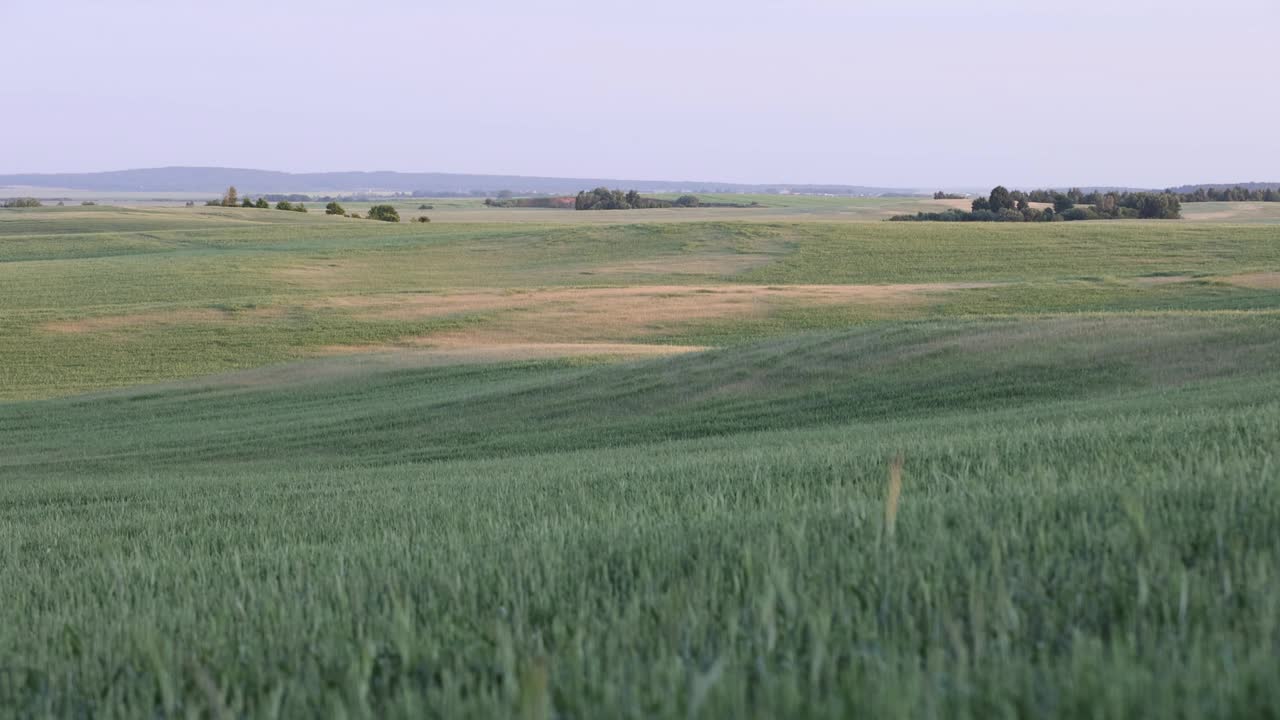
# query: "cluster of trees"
[30,202]
[1239,193]
[23,202]
[603,198]
[1003,205]
[231,198]
[1204,193]
[947,196]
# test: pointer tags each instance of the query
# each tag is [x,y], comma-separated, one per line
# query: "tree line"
[603,198]
[1238,193]
[23,202]
[1003,205]
[231,198]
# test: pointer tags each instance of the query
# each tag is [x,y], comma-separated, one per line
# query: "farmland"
[637,463]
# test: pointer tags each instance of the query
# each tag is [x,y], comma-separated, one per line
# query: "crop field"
[727,462]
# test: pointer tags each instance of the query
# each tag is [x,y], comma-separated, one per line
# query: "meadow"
[766,462]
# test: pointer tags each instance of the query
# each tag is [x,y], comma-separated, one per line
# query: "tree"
[262,204]
[687,201]
[385,213]
[230,199]
[334,208]
[284,205]
[246,203]
[1000,199]
[1062,203]
[980,204]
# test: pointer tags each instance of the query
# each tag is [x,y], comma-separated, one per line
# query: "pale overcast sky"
[916,93]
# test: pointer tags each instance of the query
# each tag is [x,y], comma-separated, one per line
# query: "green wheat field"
[786,461]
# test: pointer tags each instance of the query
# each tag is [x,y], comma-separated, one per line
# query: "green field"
[638,464]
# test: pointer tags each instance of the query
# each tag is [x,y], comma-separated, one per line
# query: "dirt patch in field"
[1232,212]
[414,306]
[687,265]
[1255,281]
[629,306]
[571,316]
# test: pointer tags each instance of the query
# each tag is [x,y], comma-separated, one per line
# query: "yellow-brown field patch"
[1256,281]
[569,316]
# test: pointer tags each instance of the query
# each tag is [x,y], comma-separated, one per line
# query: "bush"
[284,205]
[23,202]
[262,204]
[424,219]
[425,206]
[334,208]
[687,201]
[385,213]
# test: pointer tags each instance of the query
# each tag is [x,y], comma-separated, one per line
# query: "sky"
[895,93]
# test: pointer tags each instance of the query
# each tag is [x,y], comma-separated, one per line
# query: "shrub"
[385,213]
[334,208]
[687,201]
[424,219]
[425,206]
[262,204]
[284,205]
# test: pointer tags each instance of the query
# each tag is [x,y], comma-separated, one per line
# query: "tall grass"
[1106,550]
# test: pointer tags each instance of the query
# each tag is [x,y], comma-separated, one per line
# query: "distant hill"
[214,179]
